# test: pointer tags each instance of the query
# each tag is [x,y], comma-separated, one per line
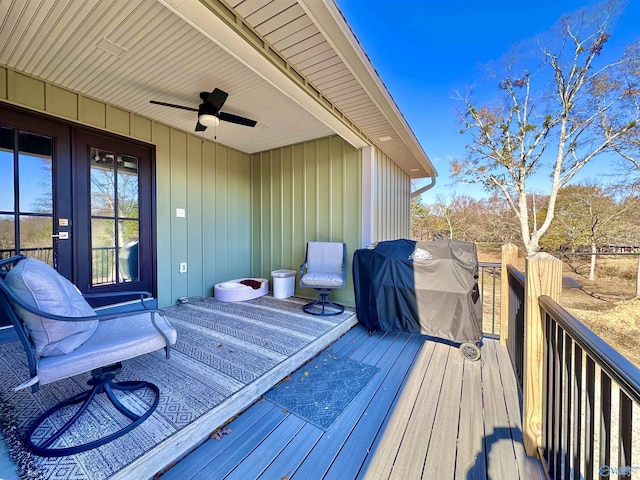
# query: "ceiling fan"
[209,114]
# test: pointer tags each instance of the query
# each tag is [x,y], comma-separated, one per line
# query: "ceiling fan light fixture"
[208,120]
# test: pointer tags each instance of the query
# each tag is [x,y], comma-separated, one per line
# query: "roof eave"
[331,22]
[211,24]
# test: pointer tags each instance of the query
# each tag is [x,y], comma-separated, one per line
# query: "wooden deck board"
[500,455]
[293,454]
[412,453]
[470,457]
[387,449]
[212,448]
[196,463]
[441,453]
[384,356]
[526,467]
[253,464]
[223,463]
[421,416]
[357,447]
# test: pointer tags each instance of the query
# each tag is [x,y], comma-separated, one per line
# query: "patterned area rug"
[321,390]
[221,348]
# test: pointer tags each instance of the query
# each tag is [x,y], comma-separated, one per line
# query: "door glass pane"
[114,201]
[103,187]
[103,249]
[35,175]
[7,236]
[6,167]
[35,237]
[128,251]
[127,187]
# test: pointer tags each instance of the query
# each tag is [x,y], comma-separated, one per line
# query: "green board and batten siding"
[311,191]
[302,193]
[246,215]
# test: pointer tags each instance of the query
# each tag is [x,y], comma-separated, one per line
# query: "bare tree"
[591,111]
[422,220]
[589,217]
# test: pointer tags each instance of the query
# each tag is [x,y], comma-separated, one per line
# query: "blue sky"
[426,50]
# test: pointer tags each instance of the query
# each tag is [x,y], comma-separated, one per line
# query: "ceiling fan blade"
[229,117]
[191,109]
[216,99]
[200,127]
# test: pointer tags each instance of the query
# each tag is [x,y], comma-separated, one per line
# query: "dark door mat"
[321,390]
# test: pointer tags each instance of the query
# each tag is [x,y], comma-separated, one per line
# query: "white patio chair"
[323,269]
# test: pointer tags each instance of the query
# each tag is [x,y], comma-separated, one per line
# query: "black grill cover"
[425,287]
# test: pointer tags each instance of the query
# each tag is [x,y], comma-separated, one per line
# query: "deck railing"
[581,398]
[44,254]
[103,261]
[586,432]
[515,315]
[489,284]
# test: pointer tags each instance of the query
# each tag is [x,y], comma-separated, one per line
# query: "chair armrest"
[302,268]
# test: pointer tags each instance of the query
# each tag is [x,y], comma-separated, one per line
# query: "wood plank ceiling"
[127,53]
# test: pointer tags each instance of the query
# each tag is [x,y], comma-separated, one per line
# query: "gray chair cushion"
[39,285]
[114,341]
[322,279]
[325,257]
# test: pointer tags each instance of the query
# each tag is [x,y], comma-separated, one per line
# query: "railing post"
[543,276]
[509,256]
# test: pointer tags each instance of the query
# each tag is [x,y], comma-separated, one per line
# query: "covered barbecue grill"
[425,287]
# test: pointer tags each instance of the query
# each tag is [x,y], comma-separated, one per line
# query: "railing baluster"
[557,387]
[605,420]
[494,297]
[547,410]
[590,417]
[552,396]
[577,417]
[568,376]
[625,427]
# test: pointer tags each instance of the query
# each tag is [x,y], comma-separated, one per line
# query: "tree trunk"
[592,268]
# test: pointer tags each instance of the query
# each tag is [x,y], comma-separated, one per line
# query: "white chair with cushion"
[323,269]
[63,336]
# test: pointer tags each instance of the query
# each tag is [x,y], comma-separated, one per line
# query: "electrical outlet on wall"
[183,267]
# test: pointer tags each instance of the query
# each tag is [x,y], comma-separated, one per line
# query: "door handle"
[61,236]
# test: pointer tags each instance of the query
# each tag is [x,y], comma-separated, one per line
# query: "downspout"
[420,191]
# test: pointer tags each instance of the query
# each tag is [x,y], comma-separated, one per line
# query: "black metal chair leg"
[322,303]
[101,384]
[85,398]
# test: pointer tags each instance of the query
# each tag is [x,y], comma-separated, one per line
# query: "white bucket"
[284,283]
